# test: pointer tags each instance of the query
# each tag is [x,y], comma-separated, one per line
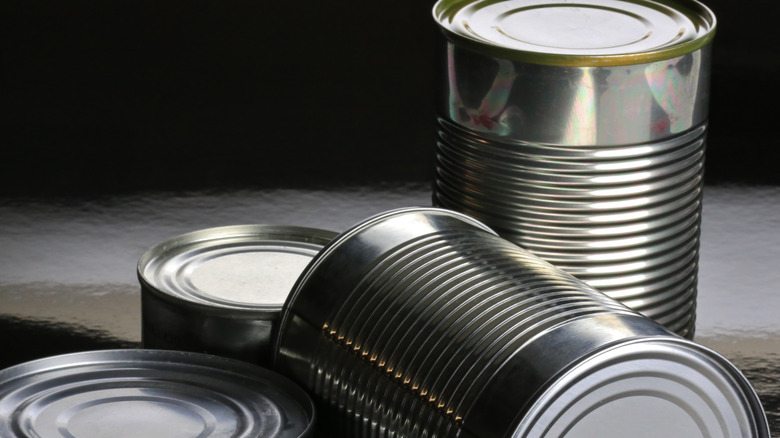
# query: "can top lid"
[150,393]
[649,387]
[250,267]
[580,32]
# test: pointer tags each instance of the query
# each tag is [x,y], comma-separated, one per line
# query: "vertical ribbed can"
[422,322]
[577,131]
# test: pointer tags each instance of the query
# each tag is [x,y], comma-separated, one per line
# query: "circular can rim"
[241,371]
[719,364]
[339,241]
[216,234]
[444,9]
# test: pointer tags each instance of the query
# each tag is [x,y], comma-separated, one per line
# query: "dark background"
[110,96]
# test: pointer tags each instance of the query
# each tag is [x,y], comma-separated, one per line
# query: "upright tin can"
[577,130]
[221,290]
[422,322]
[150,393]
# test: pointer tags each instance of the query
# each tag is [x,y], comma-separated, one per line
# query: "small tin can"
[150,393]
[221,290]
[423,322]
[577,131]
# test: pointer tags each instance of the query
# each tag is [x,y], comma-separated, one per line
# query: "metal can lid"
[148,393]
[581,33]
[250,267]
[649,387]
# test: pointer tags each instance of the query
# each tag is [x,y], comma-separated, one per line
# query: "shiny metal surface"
[221,290]
[423,322]
[649,389]
[68,281]
[596,168]
[589,32]
[150,393]
[571,113]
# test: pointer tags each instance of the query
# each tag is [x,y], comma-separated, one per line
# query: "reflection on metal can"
[221,290]
[150,393]
[423,322]
[577,131]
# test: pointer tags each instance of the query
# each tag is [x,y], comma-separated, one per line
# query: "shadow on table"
[24,340]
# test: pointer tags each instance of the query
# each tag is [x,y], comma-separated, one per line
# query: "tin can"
[221,290]
[150,393]
[424,322]
[577,131]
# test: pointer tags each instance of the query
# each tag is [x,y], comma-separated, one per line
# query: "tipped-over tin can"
[221,290]
[423,322]
[150,393]
[577,130]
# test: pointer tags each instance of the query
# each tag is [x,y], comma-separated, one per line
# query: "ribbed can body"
[596,169]
[425,323]
[438,318]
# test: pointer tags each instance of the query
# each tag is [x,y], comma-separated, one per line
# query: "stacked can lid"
[578,132]
[150,393]
[423,322]
[221,290]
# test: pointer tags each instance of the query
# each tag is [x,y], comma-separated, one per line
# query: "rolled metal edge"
[69,364]
[177,322]
[560,355]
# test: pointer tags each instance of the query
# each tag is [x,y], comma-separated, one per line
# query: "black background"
[118,96]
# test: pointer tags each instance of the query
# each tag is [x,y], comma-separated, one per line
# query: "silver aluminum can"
[221,290]
[422,322]
[150,393]
[577,131]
